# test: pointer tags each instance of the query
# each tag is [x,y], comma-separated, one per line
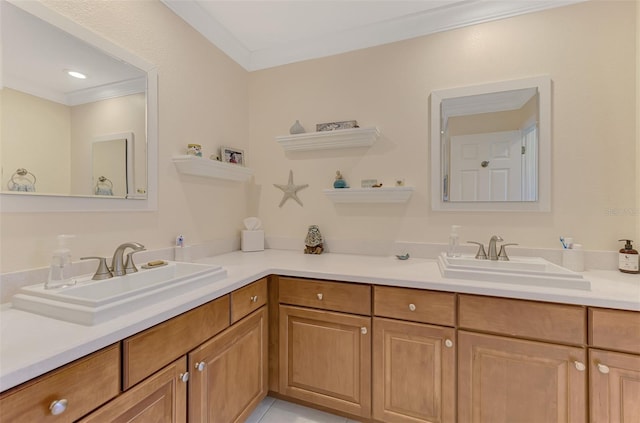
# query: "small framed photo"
[232,155]
[333,126]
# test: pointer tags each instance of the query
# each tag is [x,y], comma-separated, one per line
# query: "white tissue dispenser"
[252,240]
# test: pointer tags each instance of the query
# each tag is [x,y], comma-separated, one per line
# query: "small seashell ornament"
[313,242]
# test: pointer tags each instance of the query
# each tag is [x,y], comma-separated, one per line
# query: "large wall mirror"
[491,146]
[72,105]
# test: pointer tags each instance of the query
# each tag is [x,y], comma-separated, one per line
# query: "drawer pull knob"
[200,366]
[603,369]
[448,343]
[363,330]
[58,407]
[412,307]
[579,366]
[254,299]
[184,377]
[319,296]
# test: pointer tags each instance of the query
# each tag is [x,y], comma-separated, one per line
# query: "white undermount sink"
[533,271]
[90,302]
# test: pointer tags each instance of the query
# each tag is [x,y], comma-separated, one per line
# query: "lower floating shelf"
[370,195]
[198,166]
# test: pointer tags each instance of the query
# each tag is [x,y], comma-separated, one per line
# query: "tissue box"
[252,240]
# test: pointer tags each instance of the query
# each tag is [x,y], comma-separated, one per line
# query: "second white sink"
[91,302]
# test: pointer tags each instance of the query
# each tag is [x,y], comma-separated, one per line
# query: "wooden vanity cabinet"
[74,390]
[325,356]
[505,376]
[614,378]
[414,377]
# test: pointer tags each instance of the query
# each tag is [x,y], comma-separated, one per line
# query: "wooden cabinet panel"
[415,305]
[615,329]
[229,372]
[502,380]
[335,296]
[248,299]
[614,387]
[527,319]
[85,384]
[325,359]
[161,398]
[149,351]
[413,372]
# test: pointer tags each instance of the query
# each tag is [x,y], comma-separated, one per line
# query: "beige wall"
[637,210]
[203,98]
[588,50]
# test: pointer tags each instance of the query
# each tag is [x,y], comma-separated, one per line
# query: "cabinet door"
[160,398]
[504,380]
[229,372]
[325,358]
[614,387]
[413,372]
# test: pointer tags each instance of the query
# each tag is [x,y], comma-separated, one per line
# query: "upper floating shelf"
[326,140]
[370,195]
[192,165]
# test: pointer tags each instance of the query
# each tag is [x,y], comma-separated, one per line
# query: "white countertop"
[31,345]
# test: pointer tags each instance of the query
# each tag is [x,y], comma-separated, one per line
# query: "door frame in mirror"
[543,203]
[34,202]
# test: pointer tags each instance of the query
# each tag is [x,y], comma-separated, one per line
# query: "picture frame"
[333,126]
[232,155]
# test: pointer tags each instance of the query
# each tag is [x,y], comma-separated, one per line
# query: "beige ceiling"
[260,34]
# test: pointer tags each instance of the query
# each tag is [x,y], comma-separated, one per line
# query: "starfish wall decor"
[290,190]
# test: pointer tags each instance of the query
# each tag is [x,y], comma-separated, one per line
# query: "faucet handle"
[103,271]
[129,265]
[481,254]
[502,255]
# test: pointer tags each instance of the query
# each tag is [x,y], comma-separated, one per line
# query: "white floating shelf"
[326,140]
[199,166]
[370,195]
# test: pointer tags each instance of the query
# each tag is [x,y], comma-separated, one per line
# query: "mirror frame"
[543,203]
[20,203]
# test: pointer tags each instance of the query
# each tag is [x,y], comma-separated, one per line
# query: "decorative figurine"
[296,128]
[194,150]
[313,241]
[339,182]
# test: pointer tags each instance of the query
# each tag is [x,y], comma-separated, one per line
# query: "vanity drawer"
[415,305]
[154,348]
[85,384]
[614,329]
[335,296]
[248,299]
[526,319]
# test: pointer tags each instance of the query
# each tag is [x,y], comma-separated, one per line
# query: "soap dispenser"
[454,242]
[60,272]
[628,258]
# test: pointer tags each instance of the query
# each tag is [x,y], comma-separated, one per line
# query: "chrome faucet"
[118,267]
[493,253]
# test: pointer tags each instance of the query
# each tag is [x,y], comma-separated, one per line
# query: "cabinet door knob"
[603,369]
[412,307]
[254,299]
[200,366]
[579,366]
[184,377]
[58,407]
[319,295]
[363,330]
[448,343]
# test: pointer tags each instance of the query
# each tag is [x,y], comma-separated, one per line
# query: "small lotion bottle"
[628,258]
[454,242]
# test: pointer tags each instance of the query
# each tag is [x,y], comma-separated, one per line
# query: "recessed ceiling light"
[76,74]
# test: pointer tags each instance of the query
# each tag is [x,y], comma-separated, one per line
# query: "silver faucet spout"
[117,262]
[493,253]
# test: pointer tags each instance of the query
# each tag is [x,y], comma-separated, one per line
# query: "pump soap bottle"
[60,272]
[628,259]
[454,242]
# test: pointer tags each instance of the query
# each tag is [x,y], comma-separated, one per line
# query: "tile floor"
[273,410]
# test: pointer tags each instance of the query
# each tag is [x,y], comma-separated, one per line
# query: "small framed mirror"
[491,146]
